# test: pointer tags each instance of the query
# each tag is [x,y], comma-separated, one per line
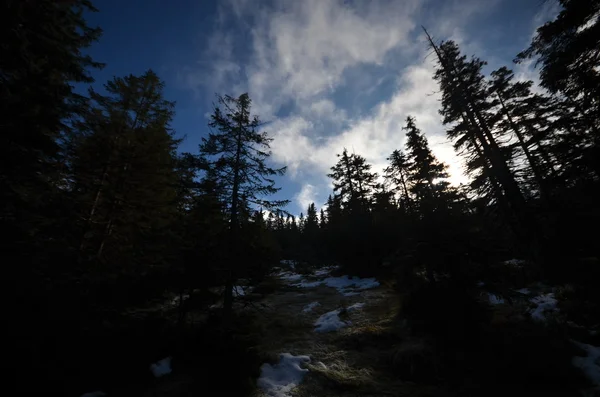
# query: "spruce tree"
[237,153]
[521,116]
[125,169]
[42,57]
[567,49]
[426,175]
[469,112]
[353,180]
[396,174]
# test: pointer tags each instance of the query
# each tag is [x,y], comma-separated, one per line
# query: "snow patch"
[343,284]
[161,368]
[590,365]
[289,262]
[524,291]
[495,299]
[355,306]
[278,380]
[545,303]
[241,290]
[325,271]
[515,262]
[310,307]
[289,276]
[330,321]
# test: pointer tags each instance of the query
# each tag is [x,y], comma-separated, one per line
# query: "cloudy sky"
[323,74]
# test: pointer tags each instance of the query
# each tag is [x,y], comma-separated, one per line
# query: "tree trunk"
[233,234]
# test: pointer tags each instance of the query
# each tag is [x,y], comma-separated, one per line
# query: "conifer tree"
[124,172]
[353,180]
[426,175]
[237,152]
[521,115]
[396,174]
[41,58]
[567,49]
[322,219]
[465,106]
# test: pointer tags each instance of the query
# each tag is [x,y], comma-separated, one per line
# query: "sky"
[323,75]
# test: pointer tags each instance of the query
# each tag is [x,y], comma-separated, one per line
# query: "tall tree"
[237,152]
[396,174]
[568,51]
[41,58]
[312,219]
[521,115]
[124,172]
[353,180]
[426,175]
[465,106]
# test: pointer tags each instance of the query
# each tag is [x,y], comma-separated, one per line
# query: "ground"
[349,361]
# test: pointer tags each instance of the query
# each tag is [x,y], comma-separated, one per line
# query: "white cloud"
[306,196]
[297,55]
[375,136]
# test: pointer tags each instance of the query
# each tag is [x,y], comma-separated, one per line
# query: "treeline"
[532,156]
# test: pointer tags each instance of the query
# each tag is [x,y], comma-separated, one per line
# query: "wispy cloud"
[306,63]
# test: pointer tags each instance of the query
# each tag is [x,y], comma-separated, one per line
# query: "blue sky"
[323,74]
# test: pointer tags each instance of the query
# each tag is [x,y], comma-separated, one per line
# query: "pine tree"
[322,219]
[124,172]
[312,221]
[465,106]
[353,180]
[396,175]
[426,175]
[567,49]
[237,153]
[41,58]
[523,116]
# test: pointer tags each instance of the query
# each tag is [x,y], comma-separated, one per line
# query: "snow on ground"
[515,262]
[343,284]
[524,291]
[324,271]
[330,321]
[545,303]
[495,299]
[590,365]
[310,307]
[241,290]
[355,306]
[278,380]
[161,368]
[288,262]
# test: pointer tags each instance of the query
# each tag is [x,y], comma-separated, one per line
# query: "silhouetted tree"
[353,180]
[237,152]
